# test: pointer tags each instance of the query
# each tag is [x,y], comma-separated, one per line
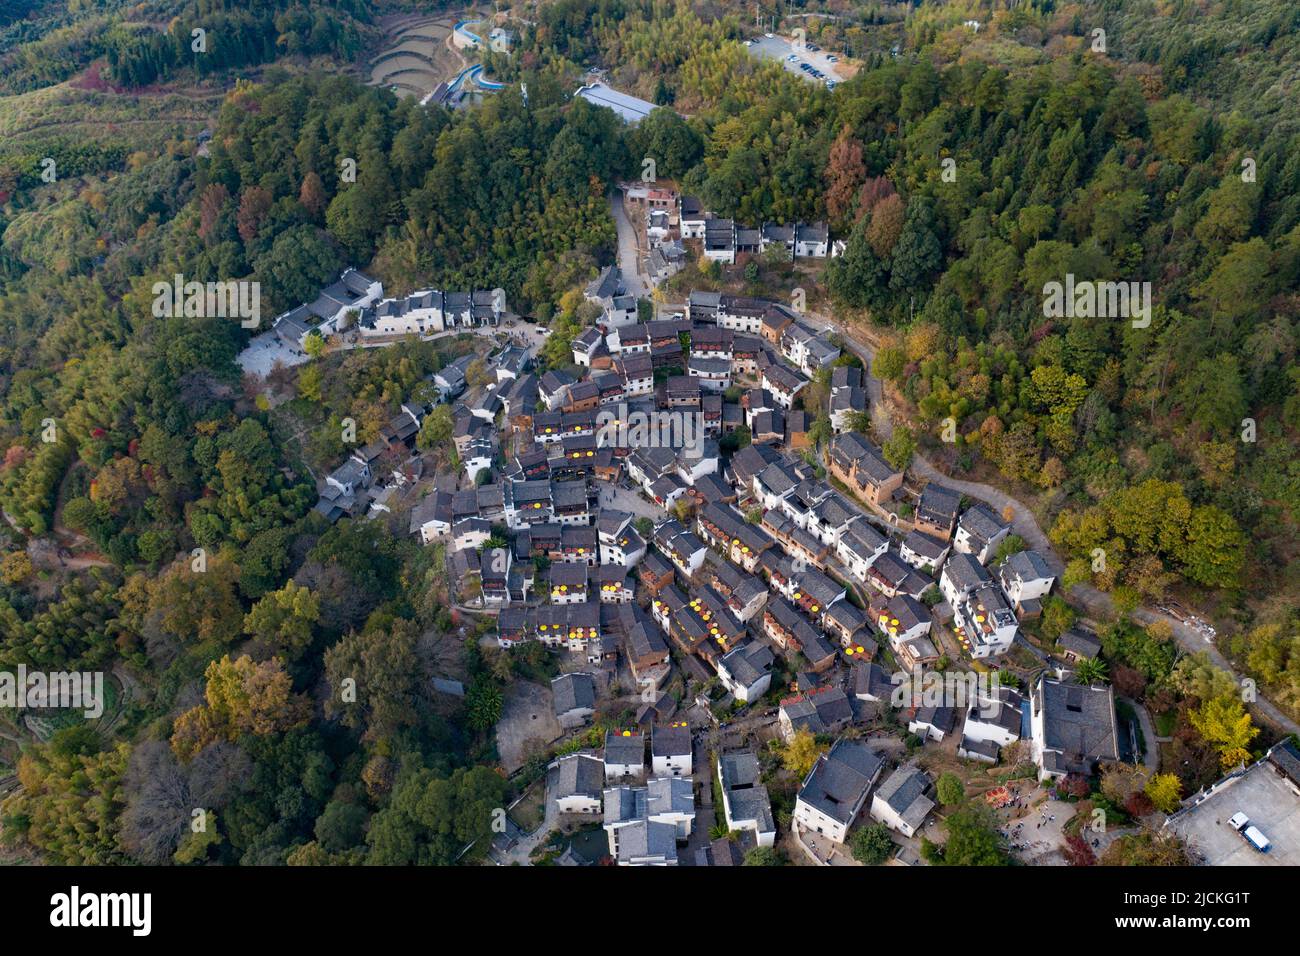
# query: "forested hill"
[1127,164]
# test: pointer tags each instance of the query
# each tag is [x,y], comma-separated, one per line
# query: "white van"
[1254,836]
[1257,839]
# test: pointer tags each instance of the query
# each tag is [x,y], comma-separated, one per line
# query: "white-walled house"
[671,751]
[644,824]
[1072,727]
[746,671]
[979,532]
[962,574]
[900,802]
[350,295]
[835,790]
[986,620]
[993,721]
[624,756]
[579,784]
[745,802]
[1025,576]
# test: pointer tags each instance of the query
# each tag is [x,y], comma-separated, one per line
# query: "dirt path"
[629,248]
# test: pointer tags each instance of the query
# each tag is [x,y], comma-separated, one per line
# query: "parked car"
[1252,834]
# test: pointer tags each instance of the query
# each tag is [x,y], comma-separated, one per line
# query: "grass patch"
[530,812]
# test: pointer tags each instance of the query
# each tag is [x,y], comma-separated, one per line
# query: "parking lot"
[1270,803]
[800,62]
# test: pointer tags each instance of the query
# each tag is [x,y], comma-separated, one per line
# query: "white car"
[770,36]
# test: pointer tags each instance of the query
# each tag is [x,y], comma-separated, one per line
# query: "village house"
[579,784]
[431,517]
[848,396]
[745,803]
[900,802]
[847,624]
[859,547]
[1079,644]
[723,528]
[691,217]
[809,351]
[979,532]
[671,750]
[331,311]
[1026,579]
[985,621]
[811,240]
[1072,727]
[647,654]
[993,720]
[787,628]
[872,685]
[720,241]
[624,756]
[746,671]
[861,466]
[620,543]
[923,551]
[835,790]
[961,575]
[784,384]
[568,583]
[574,698]
[824,710]
[937,510]
[503,584]
[680,546]
[745,593]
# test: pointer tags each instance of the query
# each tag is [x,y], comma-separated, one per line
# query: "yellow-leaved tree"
[1225,724]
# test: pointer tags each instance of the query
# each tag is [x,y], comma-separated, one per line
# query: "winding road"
[1097,603]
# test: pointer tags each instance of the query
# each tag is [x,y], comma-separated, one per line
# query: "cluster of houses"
[671,221]
[726,241]
[355,303]
[765,544]
[761,574]
[648,808]
[720,338]
[1070,728]
[350,490]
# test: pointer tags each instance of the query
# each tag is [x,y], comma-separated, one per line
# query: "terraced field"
[419,57]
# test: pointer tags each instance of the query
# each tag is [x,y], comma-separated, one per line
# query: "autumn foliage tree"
[1225,724]
[242,697]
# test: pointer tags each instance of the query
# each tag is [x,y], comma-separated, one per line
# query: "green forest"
[236,613]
